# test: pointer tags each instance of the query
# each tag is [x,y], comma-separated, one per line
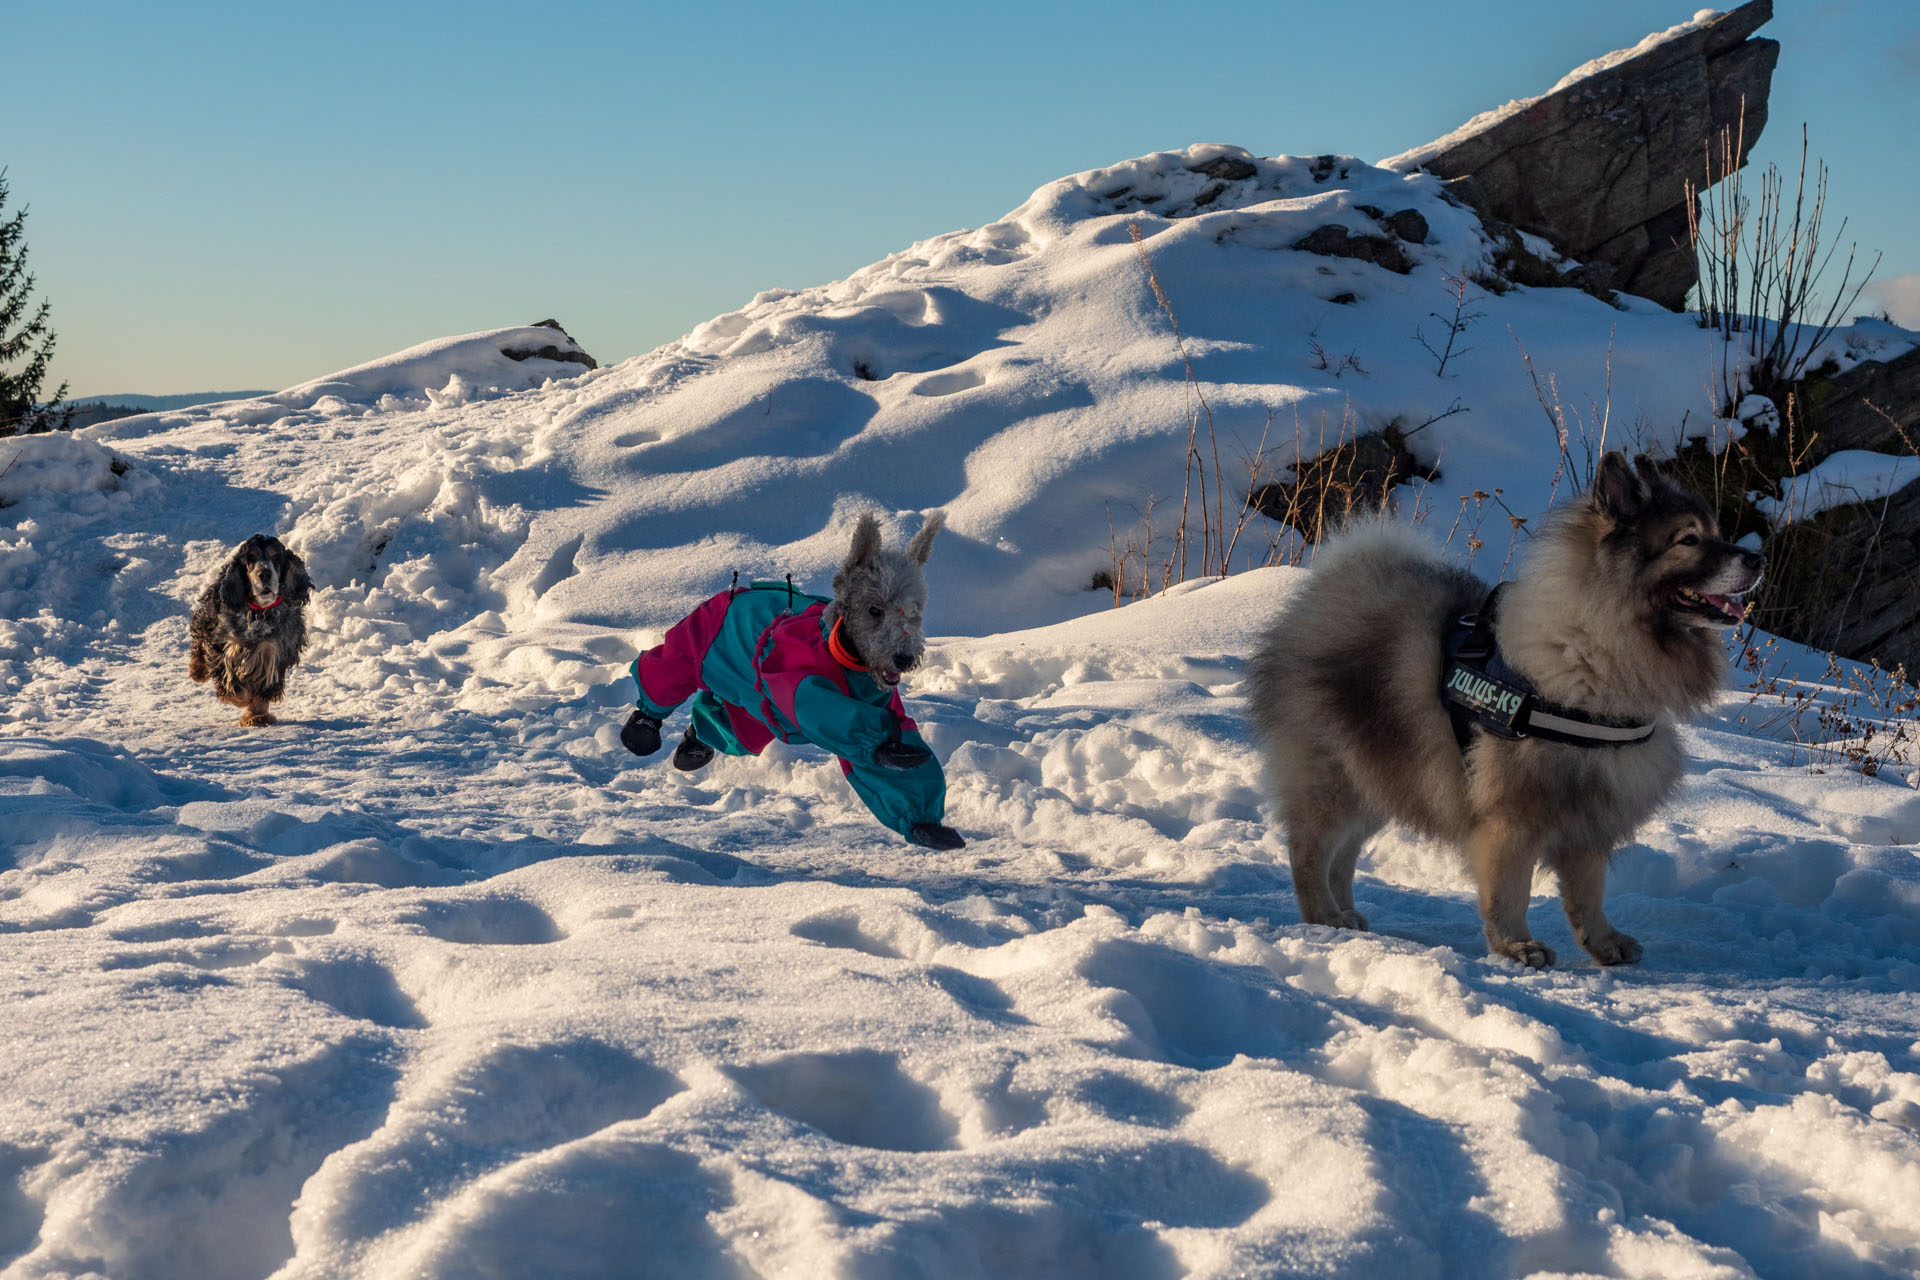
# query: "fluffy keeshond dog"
[1616,619]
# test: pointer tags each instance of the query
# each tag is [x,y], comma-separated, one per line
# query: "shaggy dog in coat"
[765,662]
[1616,620]
[248,630]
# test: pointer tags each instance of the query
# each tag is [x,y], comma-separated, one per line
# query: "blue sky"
[248,195]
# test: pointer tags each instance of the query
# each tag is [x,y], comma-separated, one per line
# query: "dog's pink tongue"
[1724,604]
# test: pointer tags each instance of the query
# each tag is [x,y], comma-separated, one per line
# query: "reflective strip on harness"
[1591,729]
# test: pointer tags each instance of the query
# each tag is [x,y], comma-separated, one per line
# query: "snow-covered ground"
[434,979]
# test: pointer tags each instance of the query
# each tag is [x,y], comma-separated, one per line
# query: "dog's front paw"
[1351,919]
[935,836]
[902,756]
[1615,948]
[1528,951]
[253,719]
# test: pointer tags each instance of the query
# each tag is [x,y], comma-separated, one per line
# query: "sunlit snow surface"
[434,979]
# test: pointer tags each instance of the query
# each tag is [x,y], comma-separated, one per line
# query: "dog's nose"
[905,661]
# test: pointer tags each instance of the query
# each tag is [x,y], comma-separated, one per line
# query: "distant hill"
[147,404]
[91,410]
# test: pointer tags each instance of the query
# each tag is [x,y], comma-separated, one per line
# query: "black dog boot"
[935,836]
[692,753]
[640,734]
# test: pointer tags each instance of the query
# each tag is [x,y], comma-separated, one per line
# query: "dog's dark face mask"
[263,571]
[1667,540]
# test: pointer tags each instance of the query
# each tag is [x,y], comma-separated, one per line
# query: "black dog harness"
[1479,687]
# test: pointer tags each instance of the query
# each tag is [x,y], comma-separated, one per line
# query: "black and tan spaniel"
[247,629]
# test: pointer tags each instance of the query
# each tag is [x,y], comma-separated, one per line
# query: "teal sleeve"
[851,729]
[846,726]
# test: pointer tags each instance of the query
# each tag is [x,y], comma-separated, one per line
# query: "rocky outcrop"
[1600,165]
[1336,241]
[1849,577]
[1848,580]
[572,354]
[1871,406]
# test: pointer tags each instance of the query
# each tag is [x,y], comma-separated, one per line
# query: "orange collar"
[838,648]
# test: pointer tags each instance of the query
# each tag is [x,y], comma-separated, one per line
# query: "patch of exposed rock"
[1600,165]
[572,354]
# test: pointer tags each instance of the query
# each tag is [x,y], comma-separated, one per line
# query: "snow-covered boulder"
[56,463]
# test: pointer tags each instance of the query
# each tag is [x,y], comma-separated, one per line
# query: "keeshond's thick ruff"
[1618,612]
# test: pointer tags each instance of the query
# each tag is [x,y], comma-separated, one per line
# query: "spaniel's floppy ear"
[235,590]
[296,582]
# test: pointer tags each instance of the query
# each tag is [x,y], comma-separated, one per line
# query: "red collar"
[838,648]
[262,608]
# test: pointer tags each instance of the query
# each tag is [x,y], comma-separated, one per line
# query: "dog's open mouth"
[1725,611]
[886,675]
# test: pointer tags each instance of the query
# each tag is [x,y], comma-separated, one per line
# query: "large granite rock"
[1849,581]
[1851,575]
[1599,166]
[1871,406]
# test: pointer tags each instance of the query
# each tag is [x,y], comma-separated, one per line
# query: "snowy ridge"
[434,979]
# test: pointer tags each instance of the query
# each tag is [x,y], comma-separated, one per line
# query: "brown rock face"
[1600,166]
[1854,572]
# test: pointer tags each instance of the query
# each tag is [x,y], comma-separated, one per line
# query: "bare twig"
[1454,326]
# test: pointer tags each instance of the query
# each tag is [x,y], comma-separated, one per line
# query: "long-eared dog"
[248,629]
[1565,741]
[765,661]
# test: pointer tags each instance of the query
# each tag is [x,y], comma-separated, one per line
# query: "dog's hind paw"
[692,753]
[1528,951]
[640,734]
[1615,948]
[256,718]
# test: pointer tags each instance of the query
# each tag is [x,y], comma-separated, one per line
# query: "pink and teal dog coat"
[759,664]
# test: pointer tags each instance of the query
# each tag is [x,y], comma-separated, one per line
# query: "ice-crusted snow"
[433,979]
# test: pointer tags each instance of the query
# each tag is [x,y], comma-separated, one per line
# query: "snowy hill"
[435,979]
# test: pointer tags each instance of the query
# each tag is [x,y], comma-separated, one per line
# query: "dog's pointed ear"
[922,545]
[1620,491]
[298,582]
[866,544]
[1655,476]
